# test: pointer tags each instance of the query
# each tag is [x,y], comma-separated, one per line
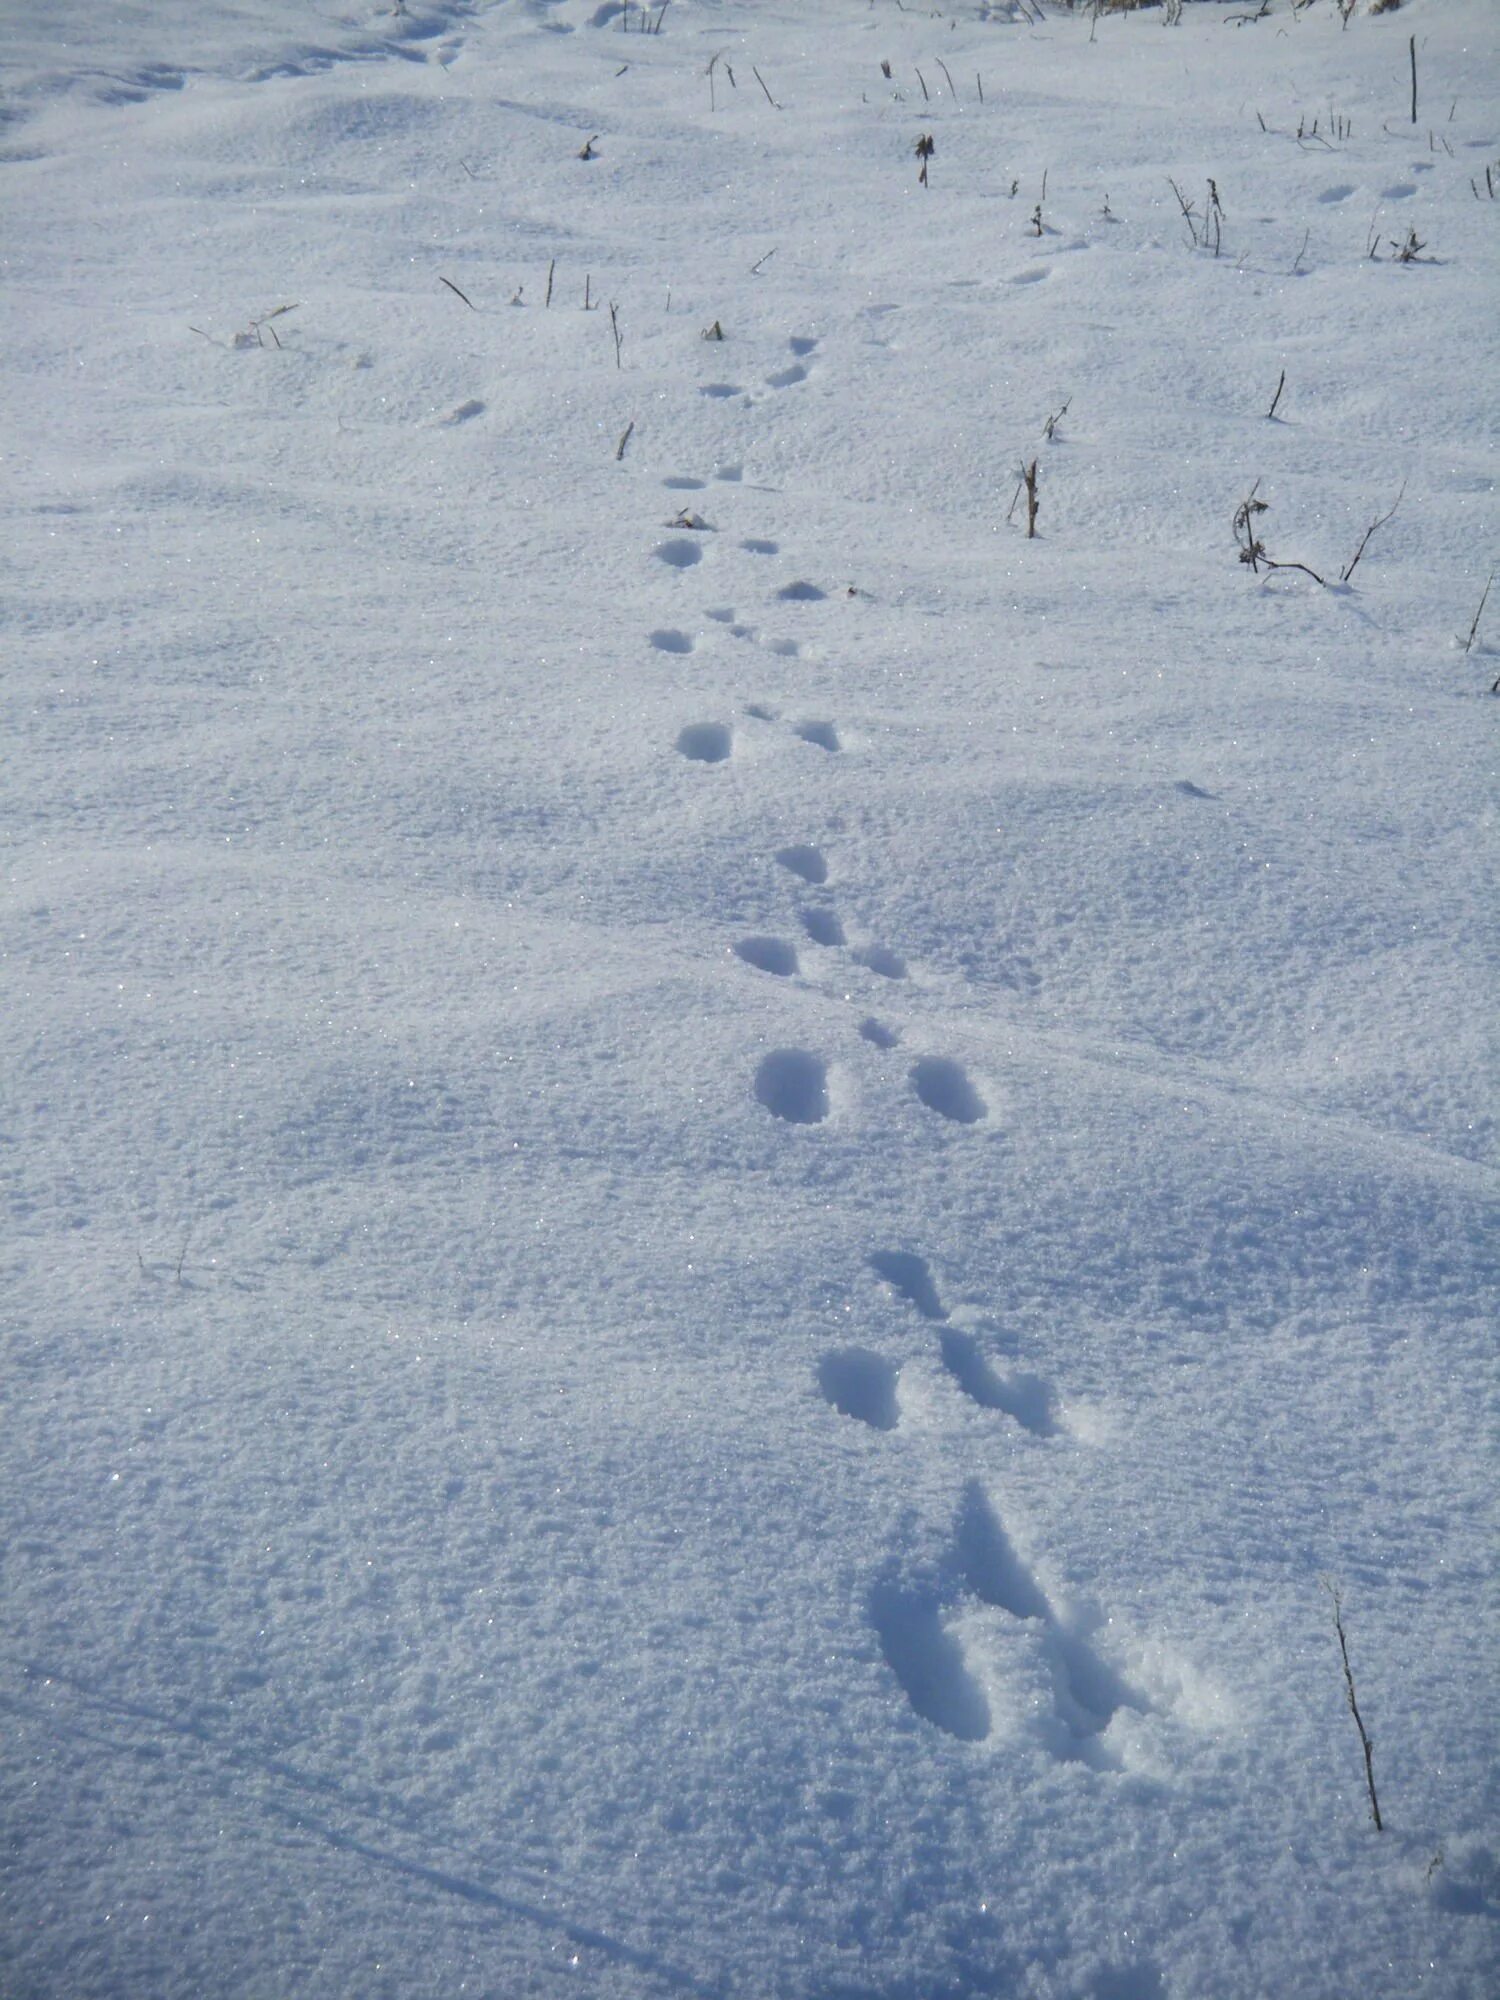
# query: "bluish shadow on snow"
[928,1661]
[860,1384]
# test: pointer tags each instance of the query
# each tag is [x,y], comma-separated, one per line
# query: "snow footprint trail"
[802,347]
[1025,1398]
[932,1634]
[914,1619]
[1087,1693]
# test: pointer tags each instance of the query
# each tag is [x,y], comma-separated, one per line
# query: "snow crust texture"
[727,1188]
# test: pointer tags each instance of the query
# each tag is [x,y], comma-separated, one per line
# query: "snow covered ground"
[722,1186]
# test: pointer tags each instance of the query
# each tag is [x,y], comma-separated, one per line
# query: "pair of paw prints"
[792,1084]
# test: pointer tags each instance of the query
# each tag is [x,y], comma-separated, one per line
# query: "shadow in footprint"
[991,1567]
[910,1277]
[681,484]
[787,378]
[823,927]
[679,554]
[881,959]
[758,547]
[860,1384]
[801,593]
[802,343]
[928,1662]
[1086,1691]
[667,641]
[768,954]
[807,862]
[1024,1397]
[705,742]
[719,391]
[823,734]
[944,1087]
[793,1086]
[878,1035]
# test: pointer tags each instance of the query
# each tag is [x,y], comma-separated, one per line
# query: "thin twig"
[1277,397]
[624,440]
[457,293]
[1354,559]
[1479,613]
[1366,1741]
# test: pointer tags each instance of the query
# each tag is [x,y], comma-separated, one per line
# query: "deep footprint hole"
[823,927]
[879,958]
[807,862]
[910,1276]
[681,554]
[928,1662]
[768,954]
[944,1087]
[705,742]
[793,1086]
[823,734]
[860,1384]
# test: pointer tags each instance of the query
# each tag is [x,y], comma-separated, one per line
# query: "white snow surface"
[723,1188]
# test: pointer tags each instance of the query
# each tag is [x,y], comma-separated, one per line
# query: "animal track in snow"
[720,392]
[943,1086]
[931,1664]
[793,1086]
[681,483]
[801,593]
[787,378]
[1026,1398]
[860,1384]
[823,927]
[1086,1691]
[879,958]
[823,734]
[679,553]
[928,1661]
[1340,193]
[705,742]
[878,1035]
[463,412]
[668,640]
[768,954]
[910,1277]
[805,862]
[757,545]
[803,343]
